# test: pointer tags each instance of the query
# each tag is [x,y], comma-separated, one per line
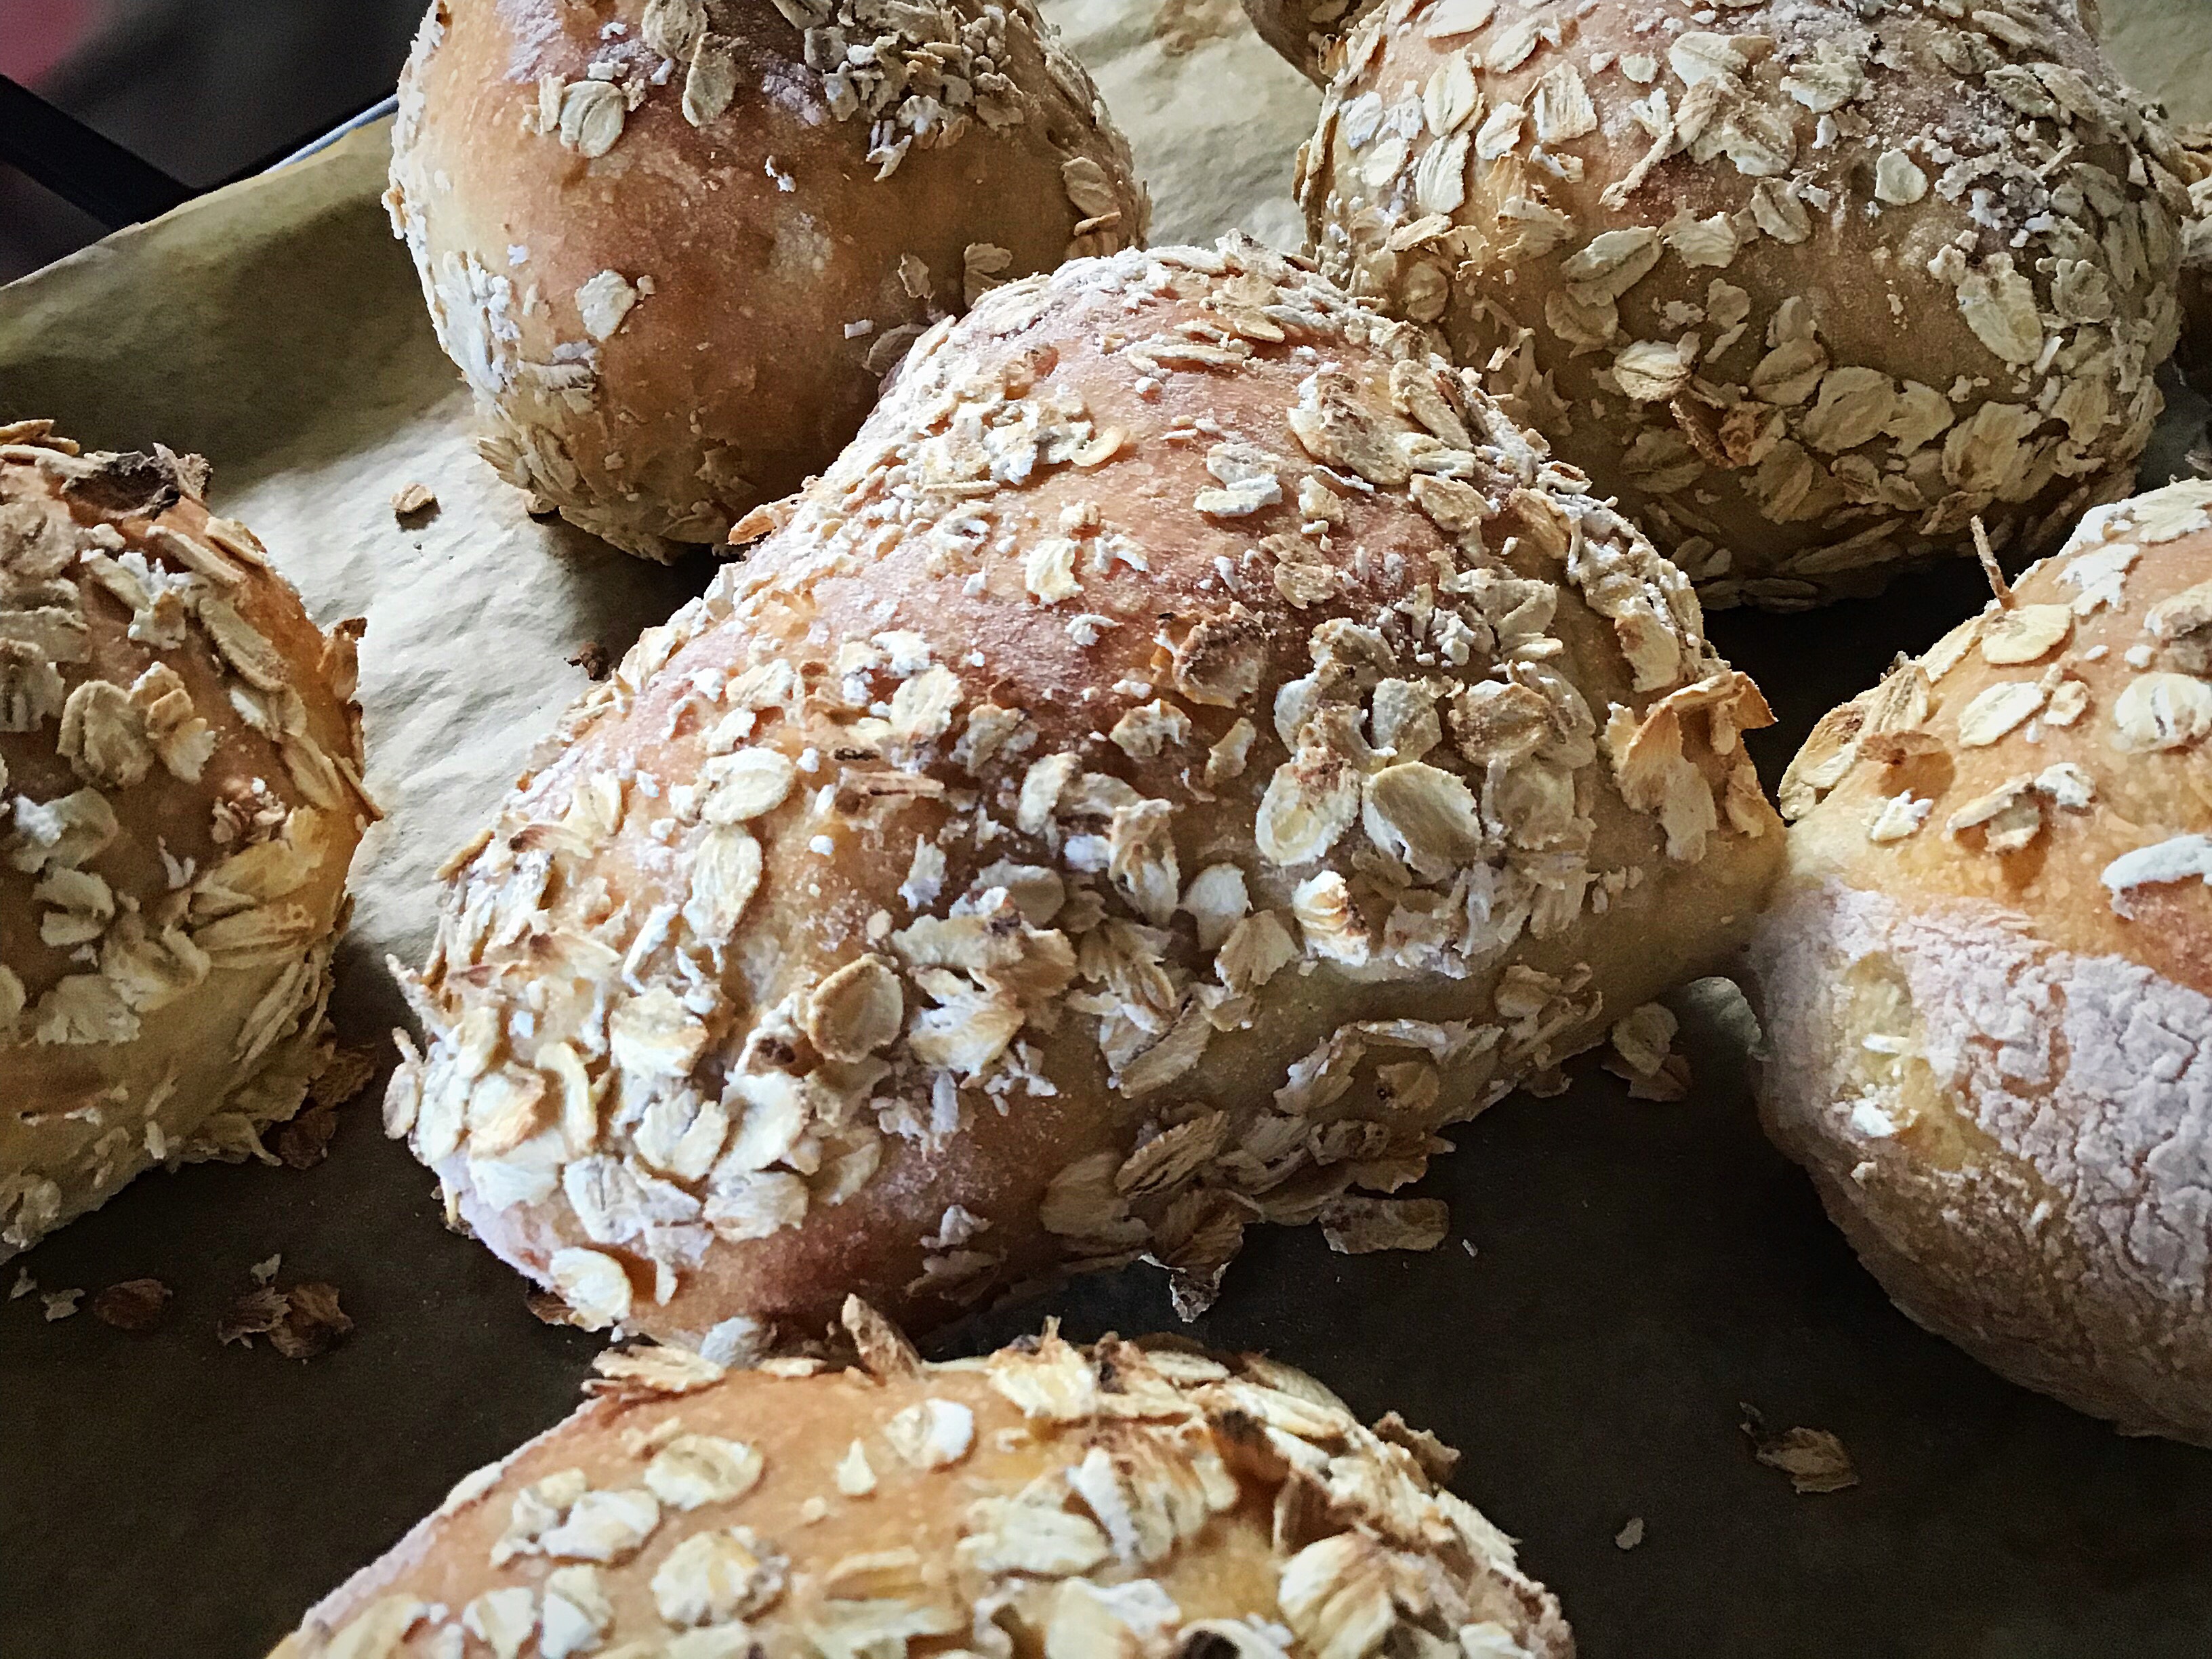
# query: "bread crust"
[1305,31]
[1030,942]
[180,800]
[1988,977]
[675,298]
[1807,289]
[1124,1498]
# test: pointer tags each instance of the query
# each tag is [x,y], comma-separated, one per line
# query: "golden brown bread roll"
[1987,979]
[1806,285]
[675,244]
[179,798]
[1111,1502]
[1303,31]
[1171,764]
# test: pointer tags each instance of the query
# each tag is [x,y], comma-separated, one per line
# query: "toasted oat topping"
[1109,1479]
[870,882]
[1514,177]
[176,786]
[2068,754]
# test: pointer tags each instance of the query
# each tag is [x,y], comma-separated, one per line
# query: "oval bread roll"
[1806,285]
[179,798]
[1113,1502]
[1987,979]
[674,245]
[1187,749]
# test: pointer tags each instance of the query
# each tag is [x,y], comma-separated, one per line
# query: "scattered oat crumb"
[264,1270]
[593,659]
[813,1510]
[1357,1226]
[60,1304]
[1630,1535]
[1814,1459]
[548,1308]
[251,1314]
[414,504]
[345,1076]
[23,1287]
[135,1304]
[300,1323]
[1468,1244]
[1548,1084]
[314,1324]
[1642,1055]
[305,1140]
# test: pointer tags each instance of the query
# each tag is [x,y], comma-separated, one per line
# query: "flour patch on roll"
[1987,977]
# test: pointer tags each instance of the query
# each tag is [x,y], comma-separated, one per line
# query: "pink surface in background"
[37,35]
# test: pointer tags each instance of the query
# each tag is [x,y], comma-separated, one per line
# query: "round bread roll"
[674,245]
[1806,285]
[179,798]
[1303,31]
[1121,800]
[1987,979]
[1126,1500]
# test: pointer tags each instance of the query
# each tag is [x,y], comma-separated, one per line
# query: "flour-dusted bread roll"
[1109,1502]
[1189,748]
[179,798]
[1303,31]
[1987,979]
[674,245]
[1806,283]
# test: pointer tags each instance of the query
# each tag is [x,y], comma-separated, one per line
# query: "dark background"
[201,88]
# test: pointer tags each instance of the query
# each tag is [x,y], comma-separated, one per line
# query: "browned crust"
[133,972]
[783,275]
[1102,970]
[2142,796]
[1305,31]
[1771,486]
[1208,1447]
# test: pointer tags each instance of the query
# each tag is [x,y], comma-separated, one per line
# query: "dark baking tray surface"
[1638,1273]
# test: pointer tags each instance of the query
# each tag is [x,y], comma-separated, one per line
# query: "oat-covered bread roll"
[179,797]
[674,245]
[1187,749]
[1095,1502]
[1987,979]
[1806,283]
[1303,31]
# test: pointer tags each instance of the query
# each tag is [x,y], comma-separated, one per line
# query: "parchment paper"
[1620,1275]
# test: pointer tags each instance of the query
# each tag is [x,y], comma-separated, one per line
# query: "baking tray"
[1622,1278]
